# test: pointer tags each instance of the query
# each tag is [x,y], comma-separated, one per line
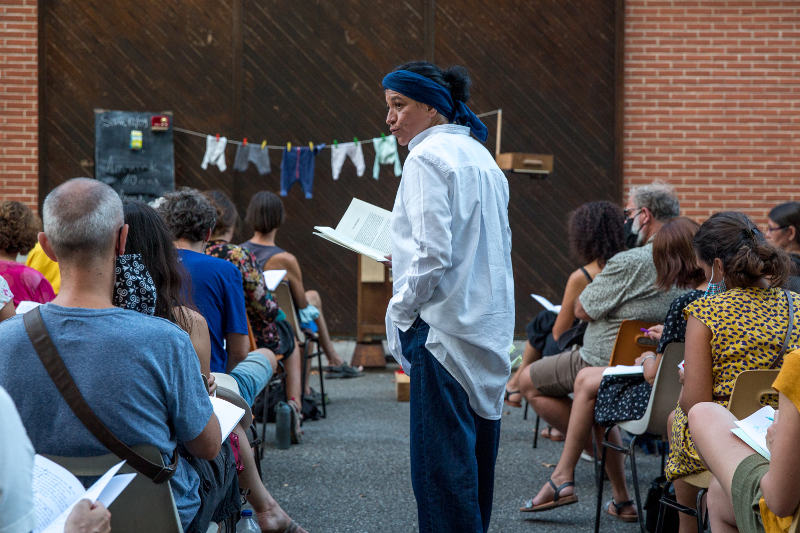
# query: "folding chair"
[749,391]
[143,505]
[284,299]
[663,397]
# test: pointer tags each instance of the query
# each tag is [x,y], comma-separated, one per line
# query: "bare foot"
[546,493]
[552,434]
[275,520]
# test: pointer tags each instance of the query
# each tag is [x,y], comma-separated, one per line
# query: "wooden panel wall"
[310,71]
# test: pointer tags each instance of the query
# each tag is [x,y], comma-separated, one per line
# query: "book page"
[755,427]
[273,277]
[547,304]
[54,489]
[368,225]
[227,414]
[331,235]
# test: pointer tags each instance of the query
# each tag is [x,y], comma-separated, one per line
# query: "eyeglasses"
[770,229]
[630,213]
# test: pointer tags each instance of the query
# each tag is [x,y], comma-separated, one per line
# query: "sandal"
[547,433]
[618,507]
[342,371]
[508,401]
[557,501]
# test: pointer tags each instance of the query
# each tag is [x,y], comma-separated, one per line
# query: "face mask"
[632,230]
[715,288]
[133,286]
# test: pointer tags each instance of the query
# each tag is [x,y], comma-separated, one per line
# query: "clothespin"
[355,140]
[244,141]
[310,146]
[263,144]
[217,137]
[383,135]
[335,142]
[288,146]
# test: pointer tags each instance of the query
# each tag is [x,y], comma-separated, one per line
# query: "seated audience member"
[740,324]
[270,328]
[148,236]
[216,290]
[595,234]
[676,266]
[750,493]
[6,300]
[18,230]
[625,289]
[17,505]
[783,231]
[265,214]
[103,347]
[38,260]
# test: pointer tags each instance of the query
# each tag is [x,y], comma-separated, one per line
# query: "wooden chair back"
[143,505]
[631,342]
[251,336]
[751,389]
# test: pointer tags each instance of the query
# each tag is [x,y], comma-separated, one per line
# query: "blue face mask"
[715,288]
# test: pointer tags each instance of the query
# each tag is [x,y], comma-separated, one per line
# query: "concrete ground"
[351,473]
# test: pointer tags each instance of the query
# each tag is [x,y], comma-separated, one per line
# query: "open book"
[753,429]
[364,229]
[56,491]
[227,414]
[547,304]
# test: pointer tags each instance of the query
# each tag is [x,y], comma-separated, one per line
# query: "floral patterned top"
[748,326]
[5,293]
[262,311]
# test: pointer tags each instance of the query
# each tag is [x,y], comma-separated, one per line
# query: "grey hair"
[82,216]
[659,197]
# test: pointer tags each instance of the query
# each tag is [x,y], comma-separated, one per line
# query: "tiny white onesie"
[215,152]
[343,150]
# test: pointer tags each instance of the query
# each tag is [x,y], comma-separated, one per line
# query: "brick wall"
[19,107]
[712,101]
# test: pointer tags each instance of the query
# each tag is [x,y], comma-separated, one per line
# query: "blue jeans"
[453,450]
[252,375]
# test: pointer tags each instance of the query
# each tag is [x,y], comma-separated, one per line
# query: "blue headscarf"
[429,92]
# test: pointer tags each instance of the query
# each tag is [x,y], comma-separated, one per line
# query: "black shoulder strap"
[779,360]
[48,354]
[586,273]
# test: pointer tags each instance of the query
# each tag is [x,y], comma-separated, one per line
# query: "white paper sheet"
[273,278]
[753,429]
[623,370]
[547,304]
[227,414]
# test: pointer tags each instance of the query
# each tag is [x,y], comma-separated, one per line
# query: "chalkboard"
[142,174]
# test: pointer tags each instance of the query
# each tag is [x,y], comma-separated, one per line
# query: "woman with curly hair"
[596,233]
[19,228]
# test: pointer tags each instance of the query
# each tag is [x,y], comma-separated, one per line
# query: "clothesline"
[277,147]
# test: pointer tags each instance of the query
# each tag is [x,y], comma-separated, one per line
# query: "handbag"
[572,336]
[652,503]
[52,362]
[621,398]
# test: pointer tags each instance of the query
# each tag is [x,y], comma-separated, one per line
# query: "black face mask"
[631,238]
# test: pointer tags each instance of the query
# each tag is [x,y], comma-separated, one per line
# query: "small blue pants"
[252,375]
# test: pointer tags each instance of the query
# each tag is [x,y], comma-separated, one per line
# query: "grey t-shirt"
[624,290]
[140,375]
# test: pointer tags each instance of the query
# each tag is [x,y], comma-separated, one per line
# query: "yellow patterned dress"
[748,326]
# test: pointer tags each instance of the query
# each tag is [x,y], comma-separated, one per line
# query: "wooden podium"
[374,293]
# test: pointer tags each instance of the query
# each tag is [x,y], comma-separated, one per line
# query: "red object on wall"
[159,123]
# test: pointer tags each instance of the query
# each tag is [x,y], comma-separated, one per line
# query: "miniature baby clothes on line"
[339,152]
[298,165]
[215,152]
[386,154]
[252,153]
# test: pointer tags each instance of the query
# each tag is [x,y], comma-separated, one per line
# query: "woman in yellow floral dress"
[740,325]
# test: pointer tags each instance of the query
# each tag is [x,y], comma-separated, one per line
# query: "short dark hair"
[188,214]
[19,227]
[227,216]
[673,255]
[596,231]
[787,214]
[745,254]
[265,212]
[455,79]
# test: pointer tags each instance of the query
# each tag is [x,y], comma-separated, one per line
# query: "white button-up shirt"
[451,260]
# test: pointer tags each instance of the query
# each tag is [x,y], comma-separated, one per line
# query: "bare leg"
[555,411]
[314,299]
[268,513]
[686,495]
[529,355]
[615,468]
[722,452]
[293,374]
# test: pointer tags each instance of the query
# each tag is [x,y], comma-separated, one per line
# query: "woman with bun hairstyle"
[450,321]
[783,231]
[741,324]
